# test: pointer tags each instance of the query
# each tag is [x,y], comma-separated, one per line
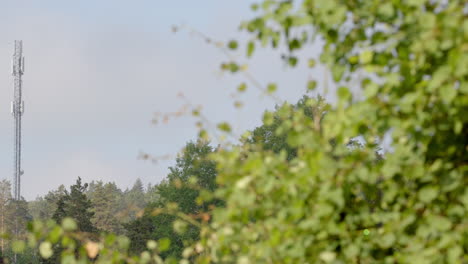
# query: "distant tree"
[75,204]
[104,198]
[191,164]
[133,202]
[268,136]
[136,195]
[44,207]
[151,194]
[14,215]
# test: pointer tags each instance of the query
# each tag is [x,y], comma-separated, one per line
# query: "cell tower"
[17,110]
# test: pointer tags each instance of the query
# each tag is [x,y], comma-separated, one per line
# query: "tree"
[44,207]
[269,136]
[104,198]
[410,60]
[76,205]
[192,165]
[132,202]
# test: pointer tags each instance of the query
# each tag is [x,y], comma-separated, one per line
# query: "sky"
[96,73]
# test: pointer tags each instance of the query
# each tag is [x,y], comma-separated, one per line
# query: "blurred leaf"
[366,56]
[18,246]
[224,126]
[271,88]
[164,244]
[312,63]
[242,87]
[69,224]
[233,45]
[250,48]
[311,85]
[45,249]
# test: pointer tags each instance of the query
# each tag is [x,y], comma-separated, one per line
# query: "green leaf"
[242,87]
[233,67]
[328,256]
[203,134]
[353,59]
[68,259]
[250,48]
[343,93]
[18,246]
[337,72]
[454,253]
[386,9]
[55,234]
[351,251]
[233,45]
[238,104]
[224,126]
[271,88]
[416,3]
[268,118]
[45,249]
[164,244]
[311,85]
[448,93]
[458,127]
[179,226]
[427,194]
[69,224]
[366,56]
[151,244]
[312,63]
[387,240]
[371,89]
[440,223]
[123,242]
[292,61]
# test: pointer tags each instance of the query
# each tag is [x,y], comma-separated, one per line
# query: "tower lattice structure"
[17,110]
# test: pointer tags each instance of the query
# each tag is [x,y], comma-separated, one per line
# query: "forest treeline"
[142,213]
[99,207]
[111,207]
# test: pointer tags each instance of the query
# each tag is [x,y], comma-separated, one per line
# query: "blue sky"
[97,71]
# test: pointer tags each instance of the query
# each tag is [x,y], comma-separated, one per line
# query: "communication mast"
[17,110]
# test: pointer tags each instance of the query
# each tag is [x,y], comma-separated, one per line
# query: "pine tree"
[193,162]
[133,202]
[75,204]
[104,199]
[43,208]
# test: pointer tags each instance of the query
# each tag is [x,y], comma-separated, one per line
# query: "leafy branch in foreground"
[314,208]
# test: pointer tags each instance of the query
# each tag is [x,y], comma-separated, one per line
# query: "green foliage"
[48,242]
[233,45]
[104,199]
[75,204]
[44,207]
[333,203]
[193,173]
[272,136]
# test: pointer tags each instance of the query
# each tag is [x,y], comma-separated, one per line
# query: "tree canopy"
[75,204]
[193,172]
